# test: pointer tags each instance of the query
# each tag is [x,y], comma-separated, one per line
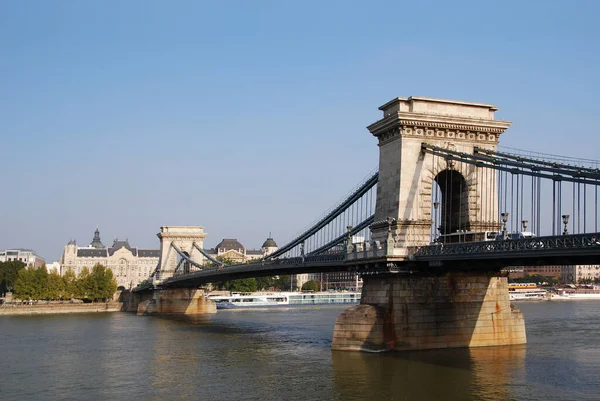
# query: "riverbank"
[53,309]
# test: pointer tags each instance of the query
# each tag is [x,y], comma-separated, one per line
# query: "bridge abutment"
[416,312]
[177,301]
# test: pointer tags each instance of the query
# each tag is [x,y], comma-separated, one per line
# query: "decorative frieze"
[408,128]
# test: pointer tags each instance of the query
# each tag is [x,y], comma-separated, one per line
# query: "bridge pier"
[416,312]
[177,301]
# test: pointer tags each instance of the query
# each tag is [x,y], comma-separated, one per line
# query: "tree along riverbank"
[57,308]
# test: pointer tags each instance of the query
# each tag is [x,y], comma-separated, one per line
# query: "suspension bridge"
[445,212]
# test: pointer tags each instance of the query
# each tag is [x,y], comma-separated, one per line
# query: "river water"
[286,355]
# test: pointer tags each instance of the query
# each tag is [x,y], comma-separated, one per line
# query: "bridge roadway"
[495,255]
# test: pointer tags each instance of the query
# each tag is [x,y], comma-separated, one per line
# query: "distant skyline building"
[554,271]
[53,267]
[568,274]
[131,265]
[232,249]
[575,274]
[342,280]
[27,256]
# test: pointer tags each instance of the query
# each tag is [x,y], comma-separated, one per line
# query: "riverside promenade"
[57,308]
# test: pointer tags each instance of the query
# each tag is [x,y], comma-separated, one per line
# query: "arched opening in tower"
[449,203]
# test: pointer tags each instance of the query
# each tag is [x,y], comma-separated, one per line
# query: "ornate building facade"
[129,265]
[231,249]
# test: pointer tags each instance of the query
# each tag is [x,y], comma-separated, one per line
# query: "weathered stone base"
[178,301]
[399,313]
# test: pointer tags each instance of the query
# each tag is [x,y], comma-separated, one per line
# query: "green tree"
[265,283]
[282,283]
[102,283]
[70,282]
[8,274]
[243,285]
[226,261]
[25,284]
[41,282]
[56,286]
[311,285]
[533,278]
[83,285]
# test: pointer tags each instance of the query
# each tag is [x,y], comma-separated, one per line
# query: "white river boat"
[284,299]
[526,292]
[574,294]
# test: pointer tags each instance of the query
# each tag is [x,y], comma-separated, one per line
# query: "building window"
[122,267]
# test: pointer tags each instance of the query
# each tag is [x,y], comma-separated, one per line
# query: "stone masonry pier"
[416,312]
[177,301]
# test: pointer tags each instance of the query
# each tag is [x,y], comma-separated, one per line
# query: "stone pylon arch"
[452,201]
[407,175]
[184,238]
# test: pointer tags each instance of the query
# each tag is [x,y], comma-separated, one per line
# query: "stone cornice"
[437,121]
[184,237]
[438,128]
[435,100]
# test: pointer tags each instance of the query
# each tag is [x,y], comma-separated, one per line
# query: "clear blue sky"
[248,117]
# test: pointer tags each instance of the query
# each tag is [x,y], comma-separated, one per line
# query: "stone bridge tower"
[183,237]
[438,306]
[413,184]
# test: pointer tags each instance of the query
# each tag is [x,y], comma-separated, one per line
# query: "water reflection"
[176,361]
[270,356]
[461,374]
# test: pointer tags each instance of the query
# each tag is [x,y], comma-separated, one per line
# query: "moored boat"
[526,292]
[284,299]
[576,293]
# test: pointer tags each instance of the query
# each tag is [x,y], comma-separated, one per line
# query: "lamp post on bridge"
[436,204]
[525,223]
[565,218]
[504,220]
[348,239]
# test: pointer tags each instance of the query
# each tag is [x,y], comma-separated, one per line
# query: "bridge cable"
[207,256]
[562,172]
[369,183]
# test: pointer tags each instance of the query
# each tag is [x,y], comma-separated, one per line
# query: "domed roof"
[269,243]
[96,243]
[72,242]
[229,243]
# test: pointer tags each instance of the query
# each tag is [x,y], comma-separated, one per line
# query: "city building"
[577,274]
[342,280]
[130,265]
[232,250]
[27,256]
[552,271]
[53,267]
[568,274]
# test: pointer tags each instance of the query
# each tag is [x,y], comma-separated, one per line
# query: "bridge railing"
[297,260]
[510,245]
